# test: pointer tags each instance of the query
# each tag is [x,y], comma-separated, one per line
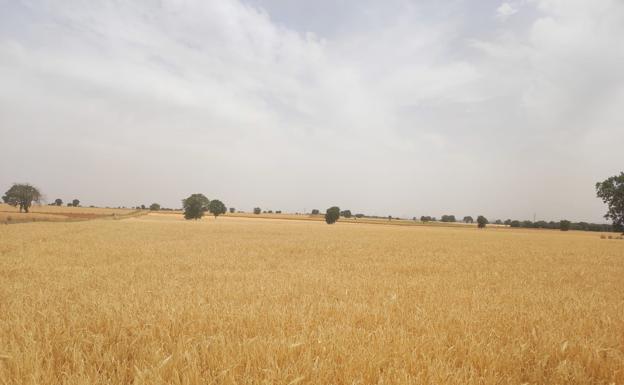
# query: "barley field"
[160,300]
[45,213]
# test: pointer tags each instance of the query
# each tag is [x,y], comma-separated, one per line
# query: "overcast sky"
[395,107]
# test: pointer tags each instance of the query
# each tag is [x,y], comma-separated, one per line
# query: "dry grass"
[159,300]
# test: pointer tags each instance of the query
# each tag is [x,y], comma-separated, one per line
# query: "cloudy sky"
[395,107]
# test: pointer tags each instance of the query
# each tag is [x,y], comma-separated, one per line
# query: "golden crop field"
[160,300]
[59,213]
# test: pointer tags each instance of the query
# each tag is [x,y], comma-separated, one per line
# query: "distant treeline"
[560,225]
[584,226]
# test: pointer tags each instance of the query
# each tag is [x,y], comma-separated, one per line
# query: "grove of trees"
[448,218]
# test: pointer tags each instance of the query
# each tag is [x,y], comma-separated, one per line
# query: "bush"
[257,210]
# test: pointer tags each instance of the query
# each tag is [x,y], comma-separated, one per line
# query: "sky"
[405,108]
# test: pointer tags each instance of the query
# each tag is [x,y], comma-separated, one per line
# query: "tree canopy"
[216,207]
[468,219]
[22,195]
[58,202]
[332,214]
[154,207]
[195,206]
[482,221]
[611,191]
[448,218]
[564,225]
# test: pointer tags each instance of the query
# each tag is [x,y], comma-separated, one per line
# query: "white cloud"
[505,10]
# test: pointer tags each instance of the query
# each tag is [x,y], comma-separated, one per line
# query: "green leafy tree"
[154,207]
[22,195]
[75,203]
[315,212]
[216,208]
[564,225]
[611,191]
[232,210]
[332,214]
[195,206]
[468,219]
[482,221]
[58,202]
[448,218]
[346,213]
[257,210]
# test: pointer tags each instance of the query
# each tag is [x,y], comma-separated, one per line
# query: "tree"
[257,210]
[195,206]
[498,222]
[332,214]
[75,202]
[564,225]
[315,212]
[154,207]
[216,208]
[468,219]
[22,195]
[425,218]
[232,210]
[448,218]
[482,221]
[58,202]
[611,191]
[346,213]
